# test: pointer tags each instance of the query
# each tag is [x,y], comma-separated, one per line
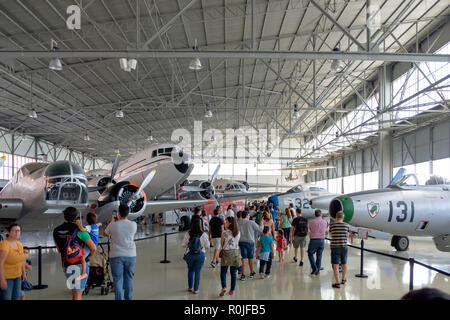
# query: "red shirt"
[317,228]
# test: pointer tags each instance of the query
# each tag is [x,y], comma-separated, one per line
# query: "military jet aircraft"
[300,197]
[403,209]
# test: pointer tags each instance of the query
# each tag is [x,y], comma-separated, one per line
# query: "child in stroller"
[99,274]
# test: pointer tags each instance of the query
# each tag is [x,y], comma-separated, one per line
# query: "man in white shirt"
[122,252]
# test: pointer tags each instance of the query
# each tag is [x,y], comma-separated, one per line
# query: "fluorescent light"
[86,137]
[127,65]
[132,63]
[195,64]
[337,65]
[296,113]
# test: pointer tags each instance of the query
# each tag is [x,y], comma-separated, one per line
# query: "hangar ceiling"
[243,86]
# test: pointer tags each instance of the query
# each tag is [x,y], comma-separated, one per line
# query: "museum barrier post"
[411,274]
[40,285]
[165,249]
[361,273]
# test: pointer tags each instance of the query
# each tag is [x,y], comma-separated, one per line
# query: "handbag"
[222,250]
[27,285]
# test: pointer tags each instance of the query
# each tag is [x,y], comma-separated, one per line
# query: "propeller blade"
[216,203]
[214,176]
[115,166]
[144,183]
[192,189]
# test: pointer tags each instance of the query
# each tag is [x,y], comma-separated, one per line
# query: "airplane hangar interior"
[236,107]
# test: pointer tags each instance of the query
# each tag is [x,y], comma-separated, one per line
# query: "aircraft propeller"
[144,184]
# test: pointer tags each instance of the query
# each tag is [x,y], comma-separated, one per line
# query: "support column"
[385,154]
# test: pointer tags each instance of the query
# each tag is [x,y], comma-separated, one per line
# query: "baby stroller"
[99,274]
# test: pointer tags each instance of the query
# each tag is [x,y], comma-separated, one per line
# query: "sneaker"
[301,264]
[267,275]
[213,264]
[242,278]
[317,272]
[261,275]
[252,275]
[313,272]
[295,259]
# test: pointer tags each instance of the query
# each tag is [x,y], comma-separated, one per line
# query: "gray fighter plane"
[300,197]
[402,209]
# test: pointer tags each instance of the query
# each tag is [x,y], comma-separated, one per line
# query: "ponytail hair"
[233,227]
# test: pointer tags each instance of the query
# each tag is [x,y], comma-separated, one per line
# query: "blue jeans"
[267,264]
[223,276]
[195,263]
[122,272]
[12,292]
[315,246]
[247,249]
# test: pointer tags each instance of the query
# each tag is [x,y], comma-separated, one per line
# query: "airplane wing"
[166,205]
[10,209]
[241,195]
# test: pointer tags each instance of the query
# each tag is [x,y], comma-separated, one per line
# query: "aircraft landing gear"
[185,223]
[400,243]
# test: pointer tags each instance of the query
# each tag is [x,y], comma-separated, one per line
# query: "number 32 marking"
[404,211]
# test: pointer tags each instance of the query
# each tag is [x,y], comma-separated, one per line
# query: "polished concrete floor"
[388,278]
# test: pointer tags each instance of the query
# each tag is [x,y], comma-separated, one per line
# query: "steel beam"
[226,54]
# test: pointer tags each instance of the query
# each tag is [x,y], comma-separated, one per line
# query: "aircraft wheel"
[185,223]
[400,243]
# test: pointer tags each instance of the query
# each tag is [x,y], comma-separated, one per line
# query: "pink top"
[317,228]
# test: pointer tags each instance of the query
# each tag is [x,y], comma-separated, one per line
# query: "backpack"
[73,252]
[301,228]
[194,245]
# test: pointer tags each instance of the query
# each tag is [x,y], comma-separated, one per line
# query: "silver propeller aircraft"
[220,189]
[141,179]
[300,197]
[38,192]
[401,209]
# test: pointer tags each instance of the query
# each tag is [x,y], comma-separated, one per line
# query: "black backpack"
[301,228]
[195,245]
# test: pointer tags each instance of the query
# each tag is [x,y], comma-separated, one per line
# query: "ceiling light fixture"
[127,65]
[296,113]
[55,63]
[32,114]
[150,137]
[195,63]
[337,65]
[119,113]
[208,113]
[86,137]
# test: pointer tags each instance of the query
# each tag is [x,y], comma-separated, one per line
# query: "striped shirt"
[338,232]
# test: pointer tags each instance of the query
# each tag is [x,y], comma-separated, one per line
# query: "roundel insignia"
[373,208]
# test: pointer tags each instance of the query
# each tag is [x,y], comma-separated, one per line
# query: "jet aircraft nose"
[342,203]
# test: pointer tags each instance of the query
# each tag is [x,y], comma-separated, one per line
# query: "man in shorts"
[299,231]
[215,234]
[339,233]
[248,229]
[60,233]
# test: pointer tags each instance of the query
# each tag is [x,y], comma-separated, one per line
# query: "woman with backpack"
[230,254]
[196,242]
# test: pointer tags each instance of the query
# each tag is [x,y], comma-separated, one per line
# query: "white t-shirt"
[122,238]
[230,213]
[230,241]
[204,240]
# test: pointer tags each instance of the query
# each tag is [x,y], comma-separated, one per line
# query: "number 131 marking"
[404,211]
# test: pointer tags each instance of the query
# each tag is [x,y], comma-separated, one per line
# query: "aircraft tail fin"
[398,175]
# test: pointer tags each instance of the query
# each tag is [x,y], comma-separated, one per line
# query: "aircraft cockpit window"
[296,189]
[154,153]
[66,188]
[228,187]
[160,151]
